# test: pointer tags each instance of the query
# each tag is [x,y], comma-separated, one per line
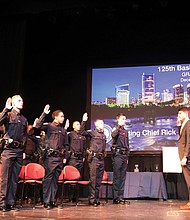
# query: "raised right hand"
[85,117]
[8,104]
[47,109]
[67,124]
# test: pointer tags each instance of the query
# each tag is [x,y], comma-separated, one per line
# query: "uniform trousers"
[11,166]
[96,173]
[53,167]
[78,163]
[119,174]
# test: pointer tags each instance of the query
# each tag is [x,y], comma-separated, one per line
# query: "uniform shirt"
[56,135]
[97,139]
[120,137]
[15,124]
[77,142]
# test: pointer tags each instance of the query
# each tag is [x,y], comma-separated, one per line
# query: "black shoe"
[47,206]
[53,204]
[95,204]
[122,201]
[12,207]
[116,201]
[119,201]
[4,209]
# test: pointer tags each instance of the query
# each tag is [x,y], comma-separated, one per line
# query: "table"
[141,185]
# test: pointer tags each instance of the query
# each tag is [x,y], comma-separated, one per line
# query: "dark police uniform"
[96,154]
[12,155]
[77,144]
[77,150]
[56,141]
[31,148]
[120,151]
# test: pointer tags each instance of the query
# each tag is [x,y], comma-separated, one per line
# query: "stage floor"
[138,209]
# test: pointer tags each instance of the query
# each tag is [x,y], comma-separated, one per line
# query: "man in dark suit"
[184,148]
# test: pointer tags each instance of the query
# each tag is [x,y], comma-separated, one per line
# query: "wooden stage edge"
[138,209]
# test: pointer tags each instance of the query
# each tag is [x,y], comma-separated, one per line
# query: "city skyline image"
[148,95]
[165,80]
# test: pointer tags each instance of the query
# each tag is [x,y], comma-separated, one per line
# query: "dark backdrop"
[48,46]
[45,51]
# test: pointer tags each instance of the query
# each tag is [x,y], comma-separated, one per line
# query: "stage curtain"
[12,46]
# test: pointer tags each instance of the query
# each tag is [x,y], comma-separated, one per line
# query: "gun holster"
[90,155]
[113,150]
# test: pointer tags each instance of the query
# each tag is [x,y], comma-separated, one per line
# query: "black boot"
[47,206]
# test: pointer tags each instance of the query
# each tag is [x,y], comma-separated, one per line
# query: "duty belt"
[55,153]
[32,156]
[123,151]
[29,157]
[99,155]
[14,145]
[77,154]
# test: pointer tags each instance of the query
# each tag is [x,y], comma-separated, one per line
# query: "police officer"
[77,143]
[12,155]
[120,149]
[56,141]
[96,154]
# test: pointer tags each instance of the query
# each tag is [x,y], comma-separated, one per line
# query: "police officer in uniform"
[56,141]
[12,155]
[120,149]
[96,154]
[77,143]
